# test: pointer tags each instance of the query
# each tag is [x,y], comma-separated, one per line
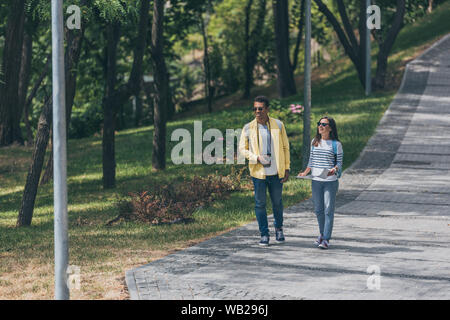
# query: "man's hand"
[263,160]
[286,176]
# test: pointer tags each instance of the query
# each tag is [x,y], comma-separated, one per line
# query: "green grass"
[106,252]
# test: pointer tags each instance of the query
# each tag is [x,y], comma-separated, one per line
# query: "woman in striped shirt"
[325,165]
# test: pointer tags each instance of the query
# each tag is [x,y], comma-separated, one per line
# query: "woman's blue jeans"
[273,183]
[324,198]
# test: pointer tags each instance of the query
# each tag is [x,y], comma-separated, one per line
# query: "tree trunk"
[285,80]
[347,38]
[248,72]
[108,143]
[430,6]
[206,66]
[26,110]
[9,77]
[301,23]
[71,60]
[386,46]
[362,52]
[161,87]
[72,57]
[43,134]
[253,45]
[31,185]
[137,69]
[24,76]
[356,52]
[115,98]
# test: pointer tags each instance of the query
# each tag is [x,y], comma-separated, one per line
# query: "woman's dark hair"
[262,99]
[333,132]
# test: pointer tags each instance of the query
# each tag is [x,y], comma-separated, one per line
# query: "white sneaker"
[318,241]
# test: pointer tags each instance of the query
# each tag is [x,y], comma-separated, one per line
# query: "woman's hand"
[332,172]
[304,173]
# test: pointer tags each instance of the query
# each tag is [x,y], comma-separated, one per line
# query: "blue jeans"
[324,198]
[273,183]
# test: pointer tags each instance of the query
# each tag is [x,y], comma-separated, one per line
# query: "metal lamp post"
[368,48]
[307,86]
[59,153]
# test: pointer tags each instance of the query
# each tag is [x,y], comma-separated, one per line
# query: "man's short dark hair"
[262,99]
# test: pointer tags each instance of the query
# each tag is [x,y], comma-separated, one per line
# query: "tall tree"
[9,75]
[161,87]
[115,98]
[24,76]
[74,39]
[300,24]
[109,112]
[253,42]
[356,50]
[386,44]
[209,90]
[40,145]
[31,96]
[74,42]
[285,80]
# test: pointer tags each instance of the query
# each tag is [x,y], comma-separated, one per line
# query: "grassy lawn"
[105,252]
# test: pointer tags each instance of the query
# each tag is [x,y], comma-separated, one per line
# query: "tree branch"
[395,28]
[347,26]
[299,35]
[340,33]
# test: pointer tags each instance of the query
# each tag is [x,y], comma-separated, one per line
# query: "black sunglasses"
[323,124]
[258,108]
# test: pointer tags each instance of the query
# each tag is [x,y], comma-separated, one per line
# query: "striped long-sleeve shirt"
[322,157]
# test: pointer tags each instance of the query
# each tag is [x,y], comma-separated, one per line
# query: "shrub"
[176,202]
[286,112]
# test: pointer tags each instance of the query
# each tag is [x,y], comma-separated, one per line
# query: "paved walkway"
[392,216]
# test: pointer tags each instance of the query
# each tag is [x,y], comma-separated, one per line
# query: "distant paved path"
[393,211]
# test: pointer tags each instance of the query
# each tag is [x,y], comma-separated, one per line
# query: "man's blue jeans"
[273,183]
[324,198]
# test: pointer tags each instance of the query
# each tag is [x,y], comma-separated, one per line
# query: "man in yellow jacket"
[265,144]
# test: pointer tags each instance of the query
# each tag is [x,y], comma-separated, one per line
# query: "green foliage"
[227,34]
[115,10]
[188,78]
[415,9]
[431,26]
[282,110]
[320,30]
[85,123]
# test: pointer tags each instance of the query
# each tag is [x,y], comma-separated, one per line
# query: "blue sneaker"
[324,244]
[264,241]
[279,235]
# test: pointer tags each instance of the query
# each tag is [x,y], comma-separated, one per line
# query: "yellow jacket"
[248,146]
